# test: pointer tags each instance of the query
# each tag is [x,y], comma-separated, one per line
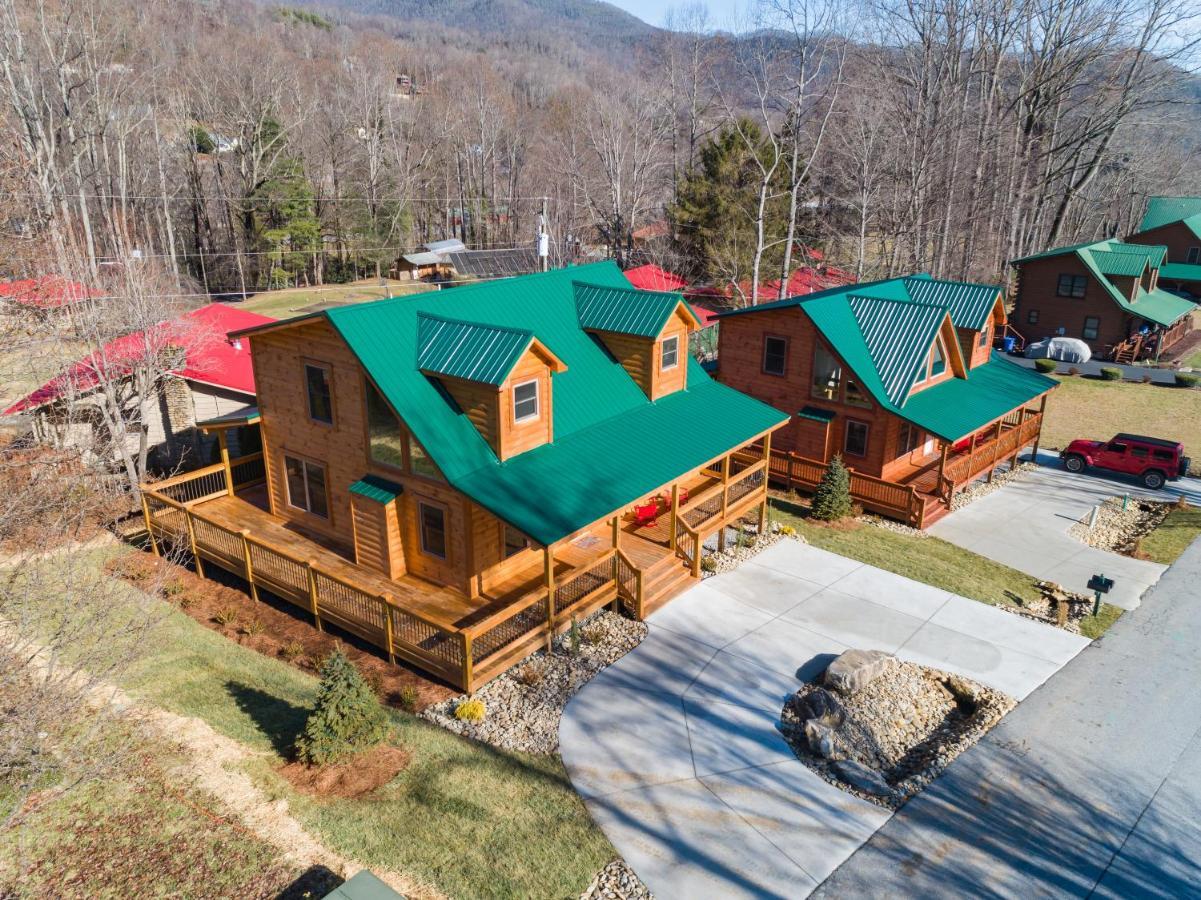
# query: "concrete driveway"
[1025,523]
[676,748]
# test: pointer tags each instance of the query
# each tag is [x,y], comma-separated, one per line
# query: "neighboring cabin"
[1106,293]
[214,378]
[484,455]
[898,377]
[1175,223]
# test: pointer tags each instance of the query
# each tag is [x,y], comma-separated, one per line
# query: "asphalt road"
[1091,787]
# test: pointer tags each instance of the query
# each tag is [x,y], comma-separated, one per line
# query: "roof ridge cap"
[629,289]
[425,314]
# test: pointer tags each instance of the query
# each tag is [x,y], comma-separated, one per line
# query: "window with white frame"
[669,354]
[525,401]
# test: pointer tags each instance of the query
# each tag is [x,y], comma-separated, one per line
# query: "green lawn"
[289,302]
[929,560]
[470,820]
[1192,361]
[1165,544]
[1095,409]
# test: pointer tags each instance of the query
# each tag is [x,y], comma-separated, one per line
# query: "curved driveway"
[675,748]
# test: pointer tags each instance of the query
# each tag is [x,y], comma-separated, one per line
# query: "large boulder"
[823,741]
[855,669]
[860,776]
[820,704]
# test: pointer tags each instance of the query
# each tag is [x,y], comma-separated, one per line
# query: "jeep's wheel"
[1153,480]
[1074,463]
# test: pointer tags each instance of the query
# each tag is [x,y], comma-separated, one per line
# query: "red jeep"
[1151,460]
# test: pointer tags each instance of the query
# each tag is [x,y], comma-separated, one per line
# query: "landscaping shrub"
[471,710]
[787,529]
[348,716]
[1046,365]
[407,698]
[292,651]
[1073,371]
[832,500]
[1109,373]
[530,674]
[1187,379]
[573,637]
[708,564]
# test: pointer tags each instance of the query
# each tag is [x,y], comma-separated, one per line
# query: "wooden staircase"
[663,580]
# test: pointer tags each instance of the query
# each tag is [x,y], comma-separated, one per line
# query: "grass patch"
[1165,544]
[288,302]
[1097,410]
[470,820]
[929,560]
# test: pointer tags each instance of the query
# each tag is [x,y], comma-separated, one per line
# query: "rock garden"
[883,729]
[1120,525]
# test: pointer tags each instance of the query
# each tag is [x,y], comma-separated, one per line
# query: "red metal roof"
[805,280]
[653,278]
[211,358]
[46,292]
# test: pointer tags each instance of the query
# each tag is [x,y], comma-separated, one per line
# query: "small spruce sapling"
[832,500]
[348,716]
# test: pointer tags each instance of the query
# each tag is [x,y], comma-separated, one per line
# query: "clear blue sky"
[721,12]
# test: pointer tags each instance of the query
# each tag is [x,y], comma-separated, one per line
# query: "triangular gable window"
[938,359]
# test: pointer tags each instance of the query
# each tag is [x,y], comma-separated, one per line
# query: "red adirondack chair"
[646,515]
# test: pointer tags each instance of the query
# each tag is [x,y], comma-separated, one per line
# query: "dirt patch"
[271,631]
[352,778]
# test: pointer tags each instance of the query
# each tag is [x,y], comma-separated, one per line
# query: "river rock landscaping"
[983,488]
[883,729]
[617,881]
[1121,523]
[522,707]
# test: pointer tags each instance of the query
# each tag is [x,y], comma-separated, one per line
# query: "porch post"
[616,532]
[1042,408]
[996,447]
[675,516]
[548,563]
[942,469]
[725,487]
[229,475]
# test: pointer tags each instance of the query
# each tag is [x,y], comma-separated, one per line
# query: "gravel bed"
[617,881]
[733,556]
[907,725]
[984,488]
[892,525]
[524,705]
[1119,530]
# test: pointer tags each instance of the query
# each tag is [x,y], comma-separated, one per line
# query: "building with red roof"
[215,378]
[44,293]
[653,278]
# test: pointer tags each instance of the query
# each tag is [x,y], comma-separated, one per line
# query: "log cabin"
[897,377]
[1175,223]
[457,476]
[1105,293]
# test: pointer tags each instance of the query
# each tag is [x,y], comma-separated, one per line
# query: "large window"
[669,354]
[525,401]
[938,359]
[1092,326]
[1194,255]
[1071,286]
[855,395]
[985,336]
[515,541]
[775,355]
[306,486]
[433,529]
[827,374]
[385,441]
[910,439]
[316,382]
[855,443]
[420,462]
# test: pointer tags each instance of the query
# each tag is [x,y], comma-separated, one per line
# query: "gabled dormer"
[976,310]
[499,377]
[645,331]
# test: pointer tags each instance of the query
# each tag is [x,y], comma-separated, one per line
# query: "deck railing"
[876,495]
[1014,435]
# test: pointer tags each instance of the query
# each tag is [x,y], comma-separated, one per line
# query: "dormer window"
[525,401]
[670,355]
[938,359]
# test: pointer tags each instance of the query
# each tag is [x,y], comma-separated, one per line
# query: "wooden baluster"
[675,516]
[386,600]
[192,540]
[254,589]
[314,607]
[149,528]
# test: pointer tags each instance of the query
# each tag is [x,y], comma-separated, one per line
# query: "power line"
[444,201]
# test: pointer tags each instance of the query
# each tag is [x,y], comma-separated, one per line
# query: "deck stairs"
[663,580]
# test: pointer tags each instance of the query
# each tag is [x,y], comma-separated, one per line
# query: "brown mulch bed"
[273,631]
[352,778]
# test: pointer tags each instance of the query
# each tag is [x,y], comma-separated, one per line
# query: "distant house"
[653,278]
[44,294]
[1106,293]
[457,476]
[504,263]
[214,378]
[1175,223]
[897,377]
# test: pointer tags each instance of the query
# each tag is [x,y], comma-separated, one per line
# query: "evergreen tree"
[832,500]
[348,716]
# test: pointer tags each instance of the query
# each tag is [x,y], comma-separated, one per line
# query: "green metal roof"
[1166,210]
[625,310]
[1131,265]
[381,490]
[1180,272]
[612,445]
[469,350]
[816,413]
[1161,307]
[898,337]
[969,304]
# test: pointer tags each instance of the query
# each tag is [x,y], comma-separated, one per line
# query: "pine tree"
[832,500]
[348,716]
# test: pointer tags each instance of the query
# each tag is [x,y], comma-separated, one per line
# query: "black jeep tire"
[1074,462]
[1153,479]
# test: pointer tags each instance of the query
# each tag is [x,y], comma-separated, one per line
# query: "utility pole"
[543,240]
